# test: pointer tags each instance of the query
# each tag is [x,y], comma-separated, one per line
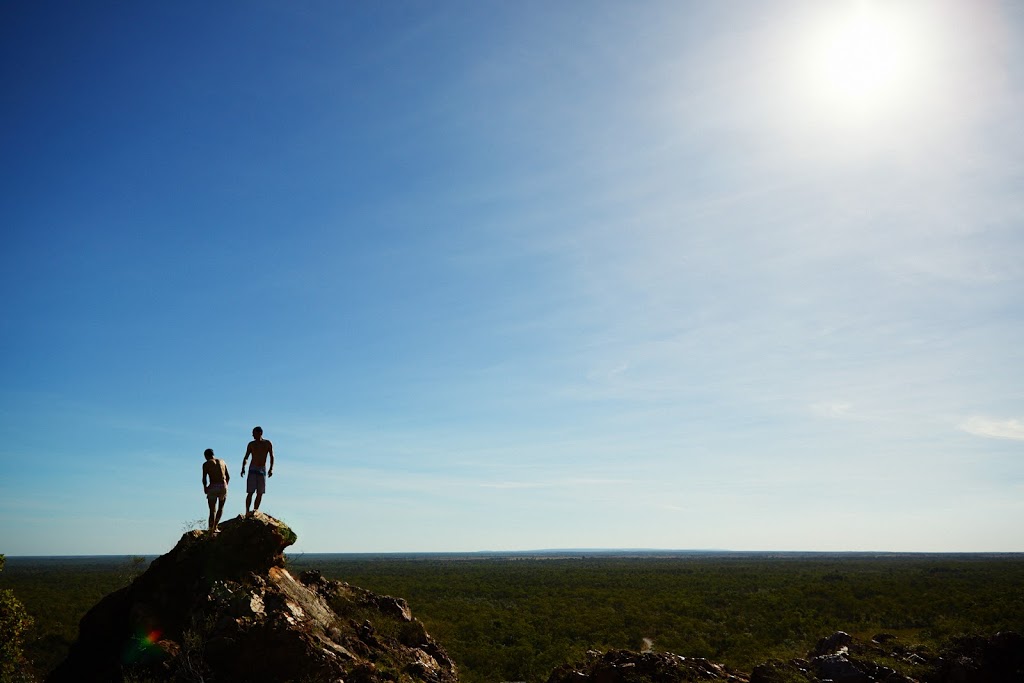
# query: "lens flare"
[142,647]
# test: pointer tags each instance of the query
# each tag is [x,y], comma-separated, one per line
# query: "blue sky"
[515,275]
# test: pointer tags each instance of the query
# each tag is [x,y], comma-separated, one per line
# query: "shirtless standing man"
[259,448]
[217,488]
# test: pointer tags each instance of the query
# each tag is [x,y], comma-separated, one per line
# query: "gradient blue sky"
[513,275]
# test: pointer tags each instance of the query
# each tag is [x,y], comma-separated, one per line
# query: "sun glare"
[863,62]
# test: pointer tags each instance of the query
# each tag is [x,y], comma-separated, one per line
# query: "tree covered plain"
[514,618]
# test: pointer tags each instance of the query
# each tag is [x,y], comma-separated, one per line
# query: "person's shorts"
[217,491]
[256,482]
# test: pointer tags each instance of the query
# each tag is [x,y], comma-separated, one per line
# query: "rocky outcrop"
[884,659]
[999,659]
[226,608]
[838,658]
[841,659]
[626,666]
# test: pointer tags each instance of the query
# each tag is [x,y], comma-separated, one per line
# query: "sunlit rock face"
[226,608]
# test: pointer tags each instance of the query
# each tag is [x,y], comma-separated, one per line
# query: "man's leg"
[248,502]
[220,511]
[212,502]
[259,497]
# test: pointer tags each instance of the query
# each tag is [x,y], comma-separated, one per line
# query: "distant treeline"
[516,619]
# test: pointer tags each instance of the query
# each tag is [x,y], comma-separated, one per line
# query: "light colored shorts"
[217,491]
[256,482]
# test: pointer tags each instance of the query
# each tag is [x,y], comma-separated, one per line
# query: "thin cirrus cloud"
[994,429]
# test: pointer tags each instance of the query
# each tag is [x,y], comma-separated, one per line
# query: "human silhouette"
[259,448]
[215,472]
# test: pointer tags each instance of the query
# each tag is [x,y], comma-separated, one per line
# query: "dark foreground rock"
[225,608]
[839,658]
[626,666]
[999,659]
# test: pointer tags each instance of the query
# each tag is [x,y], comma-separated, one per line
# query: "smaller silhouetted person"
[259,448]
[217,488]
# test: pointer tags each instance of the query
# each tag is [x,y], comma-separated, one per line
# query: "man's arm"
[205,475]
[227,475]
[248,452]
[270,451]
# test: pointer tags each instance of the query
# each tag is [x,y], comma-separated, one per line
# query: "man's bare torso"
[259,451]
[217,470]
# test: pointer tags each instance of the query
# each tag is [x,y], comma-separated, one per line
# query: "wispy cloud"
[517,485]
[993,428]
[836,409]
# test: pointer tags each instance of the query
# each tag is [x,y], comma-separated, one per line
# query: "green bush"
[14,622]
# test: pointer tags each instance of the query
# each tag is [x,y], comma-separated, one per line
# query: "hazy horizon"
[664,274]
[560,553]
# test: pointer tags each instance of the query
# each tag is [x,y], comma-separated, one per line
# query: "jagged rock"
[842,659]
[837,643]
[840,669]
[625,666]
[225,607]
[838,658]
[997,659]
[775,671]
[829,661]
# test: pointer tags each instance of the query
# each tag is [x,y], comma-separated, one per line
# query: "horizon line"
[563,551]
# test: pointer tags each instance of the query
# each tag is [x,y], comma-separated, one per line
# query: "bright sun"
[863,61]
